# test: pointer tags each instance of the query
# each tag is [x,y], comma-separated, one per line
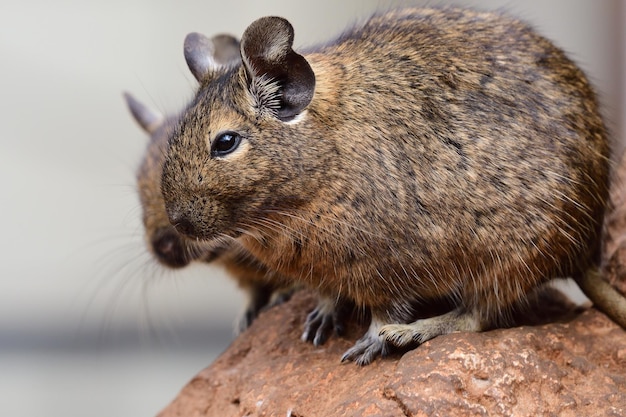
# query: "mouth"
[169,249]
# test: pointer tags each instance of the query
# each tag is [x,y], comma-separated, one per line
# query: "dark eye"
[225,143]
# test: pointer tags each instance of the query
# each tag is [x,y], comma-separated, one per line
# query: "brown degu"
[426,155]
[174,250]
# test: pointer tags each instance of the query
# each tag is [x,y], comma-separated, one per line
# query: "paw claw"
[363,353]
[346,357]
[321,322]
[398,334]
[367,348]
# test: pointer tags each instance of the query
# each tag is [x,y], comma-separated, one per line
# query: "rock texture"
[577,368]
[572,368]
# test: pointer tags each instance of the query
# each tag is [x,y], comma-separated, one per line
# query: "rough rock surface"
[576,368]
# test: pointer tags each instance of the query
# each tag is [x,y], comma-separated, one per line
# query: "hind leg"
[369,346]
[420,331]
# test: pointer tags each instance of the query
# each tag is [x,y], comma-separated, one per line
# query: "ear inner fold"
[266,50]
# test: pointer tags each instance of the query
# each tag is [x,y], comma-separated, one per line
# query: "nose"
[182,224]
[169,248]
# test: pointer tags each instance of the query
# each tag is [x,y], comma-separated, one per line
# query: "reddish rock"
[577,368]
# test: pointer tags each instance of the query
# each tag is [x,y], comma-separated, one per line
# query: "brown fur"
[174,250]
[436,154]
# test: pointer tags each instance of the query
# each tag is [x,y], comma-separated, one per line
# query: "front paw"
[322,321]
[420,331]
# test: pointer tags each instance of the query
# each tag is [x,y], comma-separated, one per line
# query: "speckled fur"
[446,154]
[262,287]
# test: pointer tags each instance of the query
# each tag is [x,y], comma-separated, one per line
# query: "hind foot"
[422,330]
[368,347]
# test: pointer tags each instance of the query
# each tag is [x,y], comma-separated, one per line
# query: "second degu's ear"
[206,56]
[149,120]
[279,78]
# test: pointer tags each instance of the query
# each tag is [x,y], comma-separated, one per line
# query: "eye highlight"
[225,143]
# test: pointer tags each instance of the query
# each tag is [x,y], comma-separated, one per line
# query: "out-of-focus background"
[89,324]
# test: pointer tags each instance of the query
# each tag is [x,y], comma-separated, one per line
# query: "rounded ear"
[277,73]
[149,120]
[205,56]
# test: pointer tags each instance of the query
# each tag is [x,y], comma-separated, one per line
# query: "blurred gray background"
[89,324]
